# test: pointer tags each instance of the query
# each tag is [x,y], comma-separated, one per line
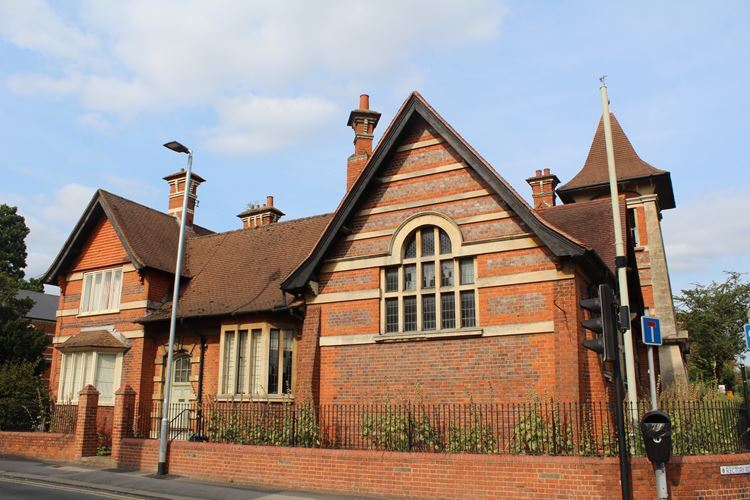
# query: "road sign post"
[651,336]
[747,334]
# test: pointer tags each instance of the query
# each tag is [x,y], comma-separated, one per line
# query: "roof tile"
[241,271]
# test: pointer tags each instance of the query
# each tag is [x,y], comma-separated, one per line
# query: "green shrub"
[24,403]
[399,428]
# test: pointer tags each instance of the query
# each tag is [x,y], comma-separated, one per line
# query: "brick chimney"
[363,121]
[176,183]
[543,186]
[260,215]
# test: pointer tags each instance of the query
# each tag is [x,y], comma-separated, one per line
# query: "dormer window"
[432,288]
[101,291]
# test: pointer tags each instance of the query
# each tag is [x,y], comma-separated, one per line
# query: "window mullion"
[438,297]
[457,308]
[236,381]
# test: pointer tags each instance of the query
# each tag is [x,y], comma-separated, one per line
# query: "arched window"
[182,369]
[432,289]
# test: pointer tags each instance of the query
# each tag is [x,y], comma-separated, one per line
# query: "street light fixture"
[164,434]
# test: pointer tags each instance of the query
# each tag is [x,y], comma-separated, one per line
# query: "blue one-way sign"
[747,335]
[651,328]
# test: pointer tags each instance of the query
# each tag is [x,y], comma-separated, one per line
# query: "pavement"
[21,478]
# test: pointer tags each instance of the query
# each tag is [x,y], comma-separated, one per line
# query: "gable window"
[101,291]
[100,369]
[432,289]
[256,360]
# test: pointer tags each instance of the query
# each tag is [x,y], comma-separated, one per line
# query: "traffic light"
[603,321]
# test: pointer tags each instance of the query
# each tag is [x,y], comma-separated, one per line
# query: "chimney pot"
[257,215]
[363,122]
[543,188]
[176,183]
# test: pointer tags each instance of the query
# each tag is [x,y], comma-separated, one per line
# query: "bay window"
[98,368]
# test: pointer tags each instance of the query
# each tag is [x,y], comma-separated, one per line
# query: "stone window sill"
[432,335]
[236,398]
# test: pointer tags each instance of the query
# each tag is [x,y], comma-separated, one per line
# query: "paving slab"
[95,478]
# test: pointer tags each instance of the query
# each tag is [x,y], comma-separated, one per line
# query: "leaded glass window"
[437,289]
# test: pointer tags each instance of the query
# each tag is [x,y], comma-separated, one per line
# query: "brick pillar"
[122,422]
[87,439]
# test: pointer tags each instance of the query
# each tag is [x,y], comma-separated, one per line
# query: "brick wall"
[504,367]
[38,445]
[427,475]
[481,369]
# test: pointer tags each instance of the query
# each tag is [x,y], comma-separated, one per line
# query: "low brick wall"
[429,475]
[38,445]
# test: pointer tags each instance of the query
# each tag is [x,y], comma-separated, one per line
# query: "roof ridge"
[267,226]
[104,191]
[570,205]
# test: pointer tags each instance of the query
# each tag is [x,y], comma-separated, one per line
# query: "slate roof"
[241,271]
[148,235]
[45,305]
[627,162]
[591,223]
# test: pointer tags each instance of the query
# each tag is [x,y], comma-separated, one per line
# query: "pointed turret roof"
[630,167]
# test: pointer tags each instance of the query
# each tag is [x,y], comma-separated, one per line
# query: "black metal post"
[622,444]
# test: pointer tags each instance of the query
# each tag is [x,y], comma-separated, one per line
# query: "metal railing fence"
[535,428]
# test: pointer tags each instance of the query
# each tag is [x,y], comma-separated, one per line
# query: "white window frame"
[414,226]
[89,375]
[264,349]
[115,291]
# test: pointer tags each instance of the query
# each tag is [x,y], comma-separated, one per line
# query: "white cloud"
[50,218]
[255,124]
[713,227]
[33,25]
[65,205]
[129,57]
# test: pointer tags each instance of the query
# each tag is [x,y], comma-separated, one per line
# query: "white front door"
[182,409]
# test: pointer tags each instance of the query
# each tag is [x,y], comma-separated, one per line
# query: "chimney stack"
[176,183]
[543,186]
[363,121]
[260,215]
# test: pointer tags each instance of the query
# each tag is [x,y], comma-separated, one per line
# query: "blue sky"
[89,91]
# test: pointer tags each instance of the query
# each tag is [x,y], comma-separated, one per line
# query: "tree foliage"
[13,232]
[23,398]
[19,342]
[713,315]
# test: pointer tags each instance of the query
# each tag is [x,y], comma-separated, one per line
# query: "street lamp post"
[164,434]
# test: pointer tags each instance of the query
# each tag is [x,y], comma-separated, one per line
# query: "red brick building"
[433,279]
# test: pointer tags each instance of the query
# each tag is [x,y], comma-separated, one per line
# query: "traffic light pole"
[620,259]
[626,484]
